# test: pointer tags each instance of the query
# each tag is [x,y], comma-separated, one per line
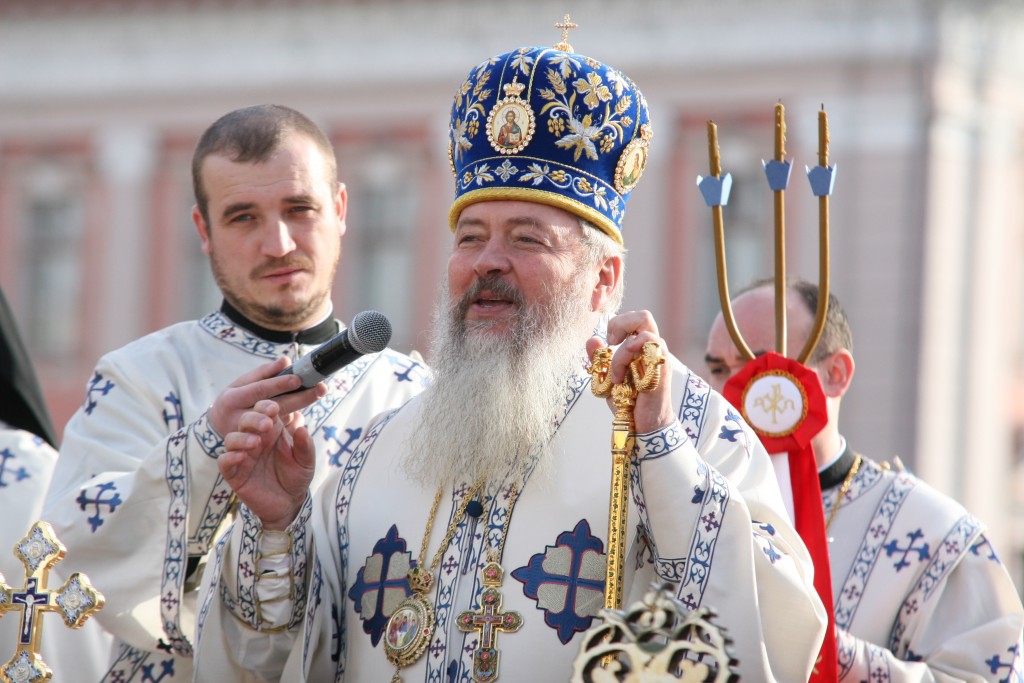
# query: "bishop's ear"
[608,276]
[836,372]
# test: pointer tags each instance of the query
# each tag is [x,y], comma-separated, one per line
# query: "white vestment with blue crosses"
[920,593]
[705,514]
[137,497]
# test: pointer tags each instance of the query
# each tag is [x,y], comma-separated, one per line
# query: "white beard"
[495,400]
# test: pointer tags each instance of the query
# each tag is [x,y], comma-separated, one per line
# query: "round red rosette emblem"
[781,399]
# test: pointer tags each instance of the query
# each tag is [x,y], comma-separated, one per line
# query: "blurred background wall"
[101,103]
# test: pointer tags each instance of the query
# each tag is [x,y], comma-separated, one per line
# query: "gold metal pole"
[823,247]
[780,236]
[719,227]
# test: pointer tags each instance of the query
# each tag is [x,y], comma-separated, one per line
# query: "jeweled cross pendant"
[75,601]
[488,620]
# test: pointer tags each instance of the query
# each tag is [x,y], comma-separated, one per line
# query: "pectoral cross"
[488,620]
[39,550]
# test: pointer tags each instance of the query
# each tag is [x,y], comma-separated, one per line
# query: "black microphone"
[369,332]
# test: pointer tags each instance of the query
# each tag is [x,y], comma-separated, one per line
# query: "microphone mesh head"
[369,332]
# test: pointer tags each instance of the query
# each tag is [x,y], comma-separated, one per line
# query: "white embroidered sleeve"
[720,534]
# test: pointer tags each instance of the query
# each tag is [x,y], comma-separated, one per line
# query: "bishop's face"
[274,233]
[508,255]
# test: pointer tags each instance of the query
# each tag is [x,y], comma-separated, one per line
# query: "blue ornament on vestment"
[576,566]
[382,576]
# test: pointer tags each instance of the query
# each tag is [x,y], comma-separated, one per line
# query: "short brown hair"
[252,134]
[836,333]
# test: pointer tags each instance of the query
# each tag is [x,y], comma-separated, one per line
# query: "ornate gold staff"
[644,375]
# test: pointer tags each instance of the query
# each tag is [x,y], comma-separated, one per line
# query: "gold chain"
[843,490]
[452,526]
[513,495]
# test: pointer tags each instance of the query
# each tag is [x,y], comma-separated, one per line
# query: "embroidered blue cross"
[984,549]
[176,517]
[731,433]
[879,674]
[384,574]
[769,548]
[96,385]
[436,648]
[405,374]
[567,576]
[996,663]
[347,447]
[166,670]
[710,521]
[20,473]
[169,600]
[175,414]
[698,494]
[892,548]
[450,565]
[769,551]
[98,501]
[221,496]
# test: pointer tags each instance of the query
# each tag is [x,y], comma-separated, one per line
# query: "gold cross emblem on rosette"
[75,601]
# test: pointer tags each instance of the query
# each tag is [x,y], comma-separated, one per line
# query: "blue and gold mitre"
[547,125]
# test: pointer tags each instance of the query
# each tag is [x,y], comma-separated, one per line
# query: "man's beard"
[496,399]
[294,317]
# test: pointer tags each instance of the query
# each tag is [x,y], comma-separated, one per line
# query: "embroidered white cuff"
[270,577]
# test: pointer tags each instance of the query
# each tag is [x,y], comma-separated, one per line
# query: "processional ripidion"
[659,632]
[781,398]
[75,601]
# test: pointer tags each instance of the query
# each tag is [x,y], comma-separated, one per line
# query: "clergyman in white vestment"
[920,593]
[137,496]
[466,538]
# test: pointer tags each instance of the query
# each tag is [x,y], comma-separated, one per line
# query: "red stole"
[784,403]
